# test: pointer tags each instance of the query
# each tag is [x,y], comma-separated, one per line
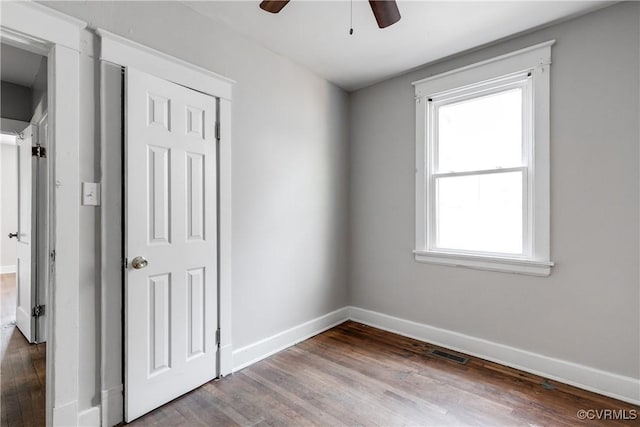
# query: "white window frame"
[528,69]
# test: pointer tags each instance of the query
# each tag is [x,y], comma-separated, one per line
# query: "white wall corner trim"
[121,51]
[606,383]
[112,406]
[65,415]
[6,269]
[226,360]
[89,417]
[259,350]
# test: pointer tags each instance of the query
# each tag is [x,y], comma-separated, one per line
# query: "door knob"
[13,235]
[139,262]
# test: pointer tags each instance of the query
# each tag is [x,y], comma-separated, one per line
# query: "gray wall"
[9,205]
[290,191]
[588,310]
[292,165]
[15,102]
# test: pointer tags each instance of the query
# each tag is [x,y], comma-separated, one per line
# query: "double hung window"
[482,167]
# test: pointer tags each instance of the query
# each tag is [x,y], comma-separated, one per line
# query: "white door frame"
[42,238]
[125,53]
[39,29]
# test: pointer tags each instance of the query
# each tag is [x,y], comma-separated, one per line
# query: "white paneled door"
[171,295]
[25,246]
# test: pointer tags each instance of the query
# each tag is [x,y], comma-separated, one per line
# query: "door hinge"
[218,131]
[37,311]
[52,260]
[218,337]
[38,151]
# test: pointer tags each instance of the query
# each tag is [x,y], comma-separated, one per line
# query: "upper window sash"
[521,81]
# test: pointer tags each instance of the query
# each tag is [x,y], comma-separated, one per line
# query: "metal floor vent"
[450,356]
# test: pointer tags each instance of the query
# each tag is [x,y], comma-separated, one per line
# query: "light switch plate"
[90,194]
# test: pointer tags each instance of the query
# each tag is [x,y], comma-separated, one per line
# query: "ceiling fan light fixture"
[273,6]
[385,11]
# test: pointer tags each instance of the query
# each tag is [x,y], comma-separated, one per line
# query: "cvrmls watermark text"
[607,414]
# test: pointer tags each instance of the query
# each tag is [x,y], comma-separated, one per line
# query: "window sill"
[505,265]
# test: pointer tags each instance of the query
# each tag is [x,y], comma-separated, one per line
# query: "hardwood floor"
[22,370]
[349,375]
[358,375]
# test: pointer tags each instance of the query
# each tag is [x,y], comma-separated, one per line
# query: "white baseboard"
[606,383]
[112,406]
[6,269]
[252,353]
[89,417]
[626,389]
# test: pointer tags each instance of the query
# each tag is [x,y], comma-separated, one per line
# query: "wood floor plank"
[22,368]
[11,390]
[301,402]
[382,398]
[10,404]
[208,410]
[357,375]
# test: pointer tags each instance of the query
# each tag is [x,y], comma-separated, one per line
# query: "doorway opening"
[24,260]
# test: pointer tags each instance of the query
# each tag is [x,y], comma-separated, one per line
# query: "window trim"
[502,70]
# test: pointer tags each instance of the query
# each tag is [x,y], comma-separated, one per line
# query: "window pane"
[481,133]
[480,213]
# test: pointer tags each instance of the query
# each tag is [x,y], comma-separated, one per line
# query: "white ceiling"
[315,34]
[18,66]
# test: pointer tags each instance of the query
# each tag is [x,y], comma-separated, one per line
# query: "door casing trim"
[39,29]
